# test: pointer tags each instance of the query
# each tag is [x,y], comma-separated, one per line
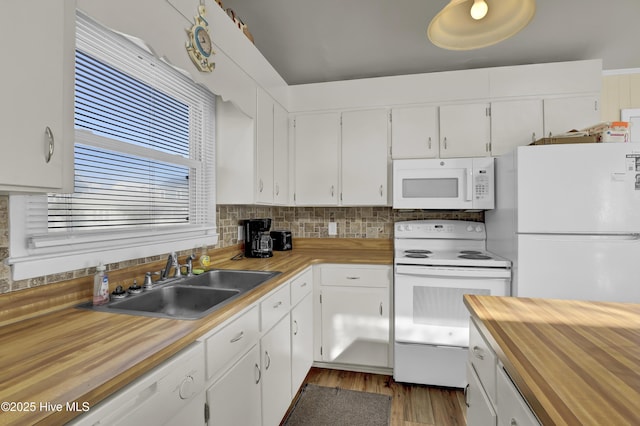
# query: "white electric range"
[436,262]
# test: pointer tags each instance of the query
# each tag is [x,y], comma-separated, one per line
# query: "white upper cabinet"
[252,168]
[564,114]
[235,151]
[414,132]
[465,130]
[264,148]
[317,142]
[515,123]
[280,155]
[365,159]
[36,107]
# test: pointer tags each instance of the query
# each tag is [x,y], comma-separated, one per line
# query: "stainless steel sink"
[190,297]
[175,302]
[229,278]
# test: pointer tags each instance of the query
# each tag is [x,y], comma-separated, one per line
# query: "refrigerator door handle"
[618,177]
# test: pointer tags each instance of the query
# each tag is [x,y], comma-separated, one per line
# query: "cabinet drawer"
[512,408]
[301,286]
[231,342]
[357,276]
[274,307]
[483,360]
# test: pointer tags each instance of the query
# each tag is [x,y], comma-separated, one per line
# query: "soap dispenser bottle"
[100,286]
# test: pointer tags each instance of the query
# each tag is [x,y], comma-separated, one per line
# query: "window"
[144,163]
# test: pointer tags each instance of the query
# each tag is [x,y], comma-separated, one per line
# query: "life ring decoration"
[199,46]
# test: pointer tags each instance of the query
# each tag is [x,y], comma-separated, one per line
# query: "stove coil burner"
[474,256]
[470,252]
[417,254]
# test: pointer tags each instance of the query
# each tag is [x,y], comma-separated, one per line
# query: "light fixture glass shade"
[453,27]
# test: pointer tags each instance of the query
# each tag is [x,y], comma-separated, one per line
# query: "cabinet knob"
[429,143]
[445,142]
[381,190]
[295,333]
[277,189]
[49,145]
[477,352]
[332,190]
[261,185]
[268,361]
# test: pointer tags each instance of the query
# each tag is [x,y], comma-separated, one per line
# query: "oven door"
[429,307]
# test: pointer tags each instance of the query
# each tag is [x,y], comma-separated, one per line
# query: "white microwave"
[444,183]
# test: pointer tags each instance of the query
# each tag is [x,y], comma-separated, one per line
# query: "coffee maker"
[257,241]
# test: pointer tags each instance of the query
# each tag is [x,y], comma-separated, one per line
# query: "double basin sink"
[188,297]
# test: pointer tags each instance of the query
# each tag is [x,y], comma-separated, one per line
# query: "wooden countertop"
[69,354]
[576,363]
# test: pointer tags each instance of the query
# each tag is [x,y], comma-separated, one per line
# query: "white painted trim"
[624,71]
[37,266]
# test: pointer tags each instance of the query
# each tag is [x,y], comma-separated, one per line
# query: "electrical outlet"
[240,233]
[333,228]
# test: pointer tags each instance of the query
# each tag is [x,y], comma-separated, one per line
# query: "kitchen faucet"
[172,262]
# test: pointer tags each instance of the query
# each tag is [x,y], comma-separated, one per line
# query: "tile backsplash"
[312,222]
[303,222]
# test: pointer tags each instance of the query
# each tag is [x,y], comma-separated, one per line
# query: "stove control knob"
[469,228]
[478,228]
[408,228]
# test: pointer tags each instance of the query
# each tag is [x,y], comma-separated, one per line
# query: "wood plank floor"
[411,405]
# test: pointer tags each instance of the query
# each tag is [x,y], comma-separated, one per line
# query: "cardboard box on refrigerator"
[565,140]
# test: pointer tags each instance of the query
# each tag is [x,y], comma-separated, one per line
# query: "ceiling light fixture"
[473,24]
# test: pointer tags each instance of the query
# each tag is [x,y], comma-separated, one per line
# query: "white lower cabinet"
[512,408]
[490,395]
[235,399]
[301,341]
[479,408]
[170,394]
[354,317]
[276,372]
[257,361]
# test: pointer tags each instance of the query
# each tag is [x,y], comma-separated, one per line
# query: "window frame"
[37,253]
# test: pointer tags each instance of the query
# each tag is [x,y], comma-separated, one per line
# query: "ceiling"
[310,41]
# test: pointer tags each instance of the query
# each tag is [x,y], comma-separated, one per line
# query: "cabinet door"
[317,139]
[355,325]
[280,155]
[264,148]
[414,132]
[235,400]
[480,412]
[512,408]
[465,130]
[301,341]
[276,368]
[564,114]
[365,157]
[515,123]
[36,107]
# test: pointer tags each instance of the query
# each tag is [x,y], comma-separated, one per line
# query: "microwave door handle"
[469,179]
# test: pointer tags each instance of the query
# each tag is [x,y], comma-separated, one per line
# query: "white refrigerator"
[568,217]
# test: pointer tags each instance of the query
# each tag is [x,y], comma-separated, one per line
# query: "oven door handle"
[435,271]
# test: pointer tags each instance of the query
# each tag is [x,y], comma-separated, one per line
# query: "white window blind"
[144,156]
